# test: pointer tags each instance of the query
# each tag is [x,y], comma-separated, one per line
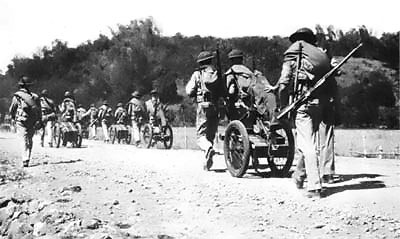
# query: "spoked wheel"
[128,138]
[79,141]
[281,149]
[168,137]
[113,134]
[236,148]
[147,135]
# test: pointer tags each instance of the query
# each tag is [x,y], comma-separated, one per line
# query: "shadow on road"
[358,186]
[348,177]
[57,162]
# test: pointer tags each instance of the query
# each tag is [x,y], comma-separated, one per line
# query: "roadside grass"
[348,142]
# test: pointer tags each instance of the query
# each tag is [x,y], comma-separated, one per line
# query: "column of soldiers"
[32,112]
[313,120]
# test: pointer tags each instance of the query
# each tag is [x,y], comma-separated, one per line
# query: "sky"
[26,26]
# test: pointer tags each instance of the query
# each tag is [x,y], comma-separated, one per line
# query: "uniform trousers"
[104,126]
[308,119]
[25,134]
[47,135]
[206,124]
[135,132]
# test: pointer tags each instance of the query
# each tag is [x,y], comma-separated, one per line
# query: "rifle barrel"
[320,82]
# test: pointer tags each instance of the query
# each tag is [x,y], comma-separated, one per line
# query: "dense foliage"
[138,57]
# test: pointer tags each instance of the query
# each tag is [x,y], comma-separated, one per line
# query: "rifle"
[300,100]
[219,70]
[93,122]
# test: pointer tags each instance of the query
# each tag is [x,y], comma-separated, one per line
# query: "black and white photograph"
[199,119]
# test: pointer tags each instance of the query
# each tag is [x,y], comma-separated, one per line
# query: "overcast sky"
[28,25]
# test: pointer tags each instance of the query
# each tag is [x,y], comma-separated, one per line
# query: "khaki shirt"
[204,85]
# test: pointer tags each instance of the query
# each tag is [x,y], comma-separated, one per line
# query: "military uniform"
[205,87]
[314,64]
[136,110]
[26,111]
[120,114]
[239,79]
[48,117]
[155,110]
[105,116]
[93,116]
[68,108]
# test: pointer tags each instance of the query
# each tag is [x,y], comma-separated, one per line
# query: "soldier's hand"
[271,88]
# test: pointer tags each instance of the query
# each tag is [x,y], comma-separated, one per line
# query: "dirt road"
[119,191]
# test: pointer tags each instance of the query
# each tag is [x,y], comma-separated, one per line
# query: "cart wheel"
[236,148]
[113,134]
[128,138]
[168,137]
[147,134]
[280,149]
[79,141]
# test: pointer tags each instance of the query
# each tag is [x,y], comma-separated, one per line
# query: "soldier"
[105,116]
[206,88]
[48,117]
[25,110]
[238,81]
[155,110]
[136,110]
[326,129]
[68,108]
[81,113]
[313,65]
[120,114]
[93,118]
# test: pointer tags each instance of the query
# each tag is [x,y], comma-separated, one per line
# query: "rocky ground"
[119,191]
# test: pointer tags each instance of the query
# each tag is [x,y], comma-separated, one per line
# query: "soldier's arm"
[13,107]
[191,86]
[287,73]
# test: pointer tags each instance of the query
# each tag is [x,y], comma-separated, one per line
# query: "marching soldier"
[238,81]
[155,109]
[314,63]
[105,117]
[68,108]
[26,111]
[48,117]
[120,114]
[81,113]
[93,118]
[136,111]
[205,87]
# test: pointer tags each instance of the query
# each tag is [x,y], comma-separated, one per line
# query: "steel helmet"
[305,34]
[204,55]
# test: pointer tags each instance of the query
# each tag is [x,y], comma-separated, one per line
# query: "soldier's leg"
[307,121]
[93,132]
[202,125]
[49,131]
[105,131]
[135,132]
[327,156]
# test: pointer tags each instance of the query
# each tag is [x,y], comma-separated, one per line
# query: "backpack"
[30,110]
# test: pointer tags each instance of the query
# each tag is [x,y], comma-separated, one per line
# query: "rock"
[75,189]
[92,224]
[130,190]
[319,226]
[18,198]
[164,237]
[4,201]
[39,229]
[6,212]
[123,225]
[115,202]
[18,229]
[100,236]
